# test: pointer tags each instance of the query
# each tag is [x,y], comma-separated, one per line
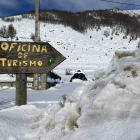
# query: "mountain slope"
[89,51]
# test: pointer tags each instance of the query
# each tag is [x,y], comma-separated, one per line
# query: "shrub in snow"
[124,37]
[113,31]
[39,39]
[11,31]
[8,19]
[124,54]
[17,38]
[68,71]
[117,33]
[32,36]
[107,32]
[130,39]
[18,19]
[134,37]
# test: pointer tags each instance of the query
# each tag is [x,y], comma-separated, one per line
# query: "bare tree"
[11,31]
[3,31]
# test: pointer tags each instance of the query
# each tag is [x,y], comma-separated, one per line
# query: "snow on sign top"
[28,57]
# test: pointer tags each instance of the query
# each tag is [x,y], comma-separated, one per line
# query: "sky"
[11,7]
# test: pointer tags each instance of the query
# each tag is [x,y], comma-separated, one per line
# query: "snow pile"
[14,118]
[107,109]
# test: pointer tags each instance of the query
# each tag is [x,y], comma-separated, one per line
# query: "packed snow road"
[38,98]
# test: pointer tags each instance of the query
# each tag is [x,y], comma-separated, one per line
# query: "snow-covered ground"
[106,109]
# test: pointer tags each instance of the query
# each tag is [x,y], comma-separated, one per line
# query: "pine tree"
[11,31]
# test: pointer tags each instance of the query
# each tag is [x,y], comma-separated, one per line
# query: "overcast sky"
[9,7]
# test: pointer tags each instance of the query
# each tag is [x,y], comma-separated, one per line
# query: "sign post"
[36,83]
[36,20]
[27,57]
[21,89]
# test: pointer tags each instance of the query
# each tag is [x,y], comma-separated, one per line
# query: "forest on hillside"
[81,21]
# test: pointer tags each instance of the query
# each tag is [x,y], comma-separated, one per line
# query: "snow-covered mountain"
[89,51]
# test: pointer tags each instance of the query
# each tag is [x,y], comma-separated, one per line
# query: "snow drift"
[107,109]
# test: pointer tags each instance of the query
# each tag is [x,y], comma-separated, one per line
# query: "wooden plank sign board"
[28,57]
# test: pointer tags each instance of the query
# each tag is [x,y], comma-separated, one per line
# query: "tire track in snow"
[5,103]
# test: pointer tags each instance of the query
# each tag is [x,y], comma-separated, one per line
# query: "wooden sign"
[28,57]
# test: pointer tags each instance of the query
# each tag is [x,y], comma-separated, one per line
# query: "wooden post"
[36,20]
[43,81]
[42,76]
[21,89]
[36,82]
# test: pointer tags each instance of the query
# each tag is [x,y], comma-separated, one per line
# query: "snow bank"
[14,121]
[107,109]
